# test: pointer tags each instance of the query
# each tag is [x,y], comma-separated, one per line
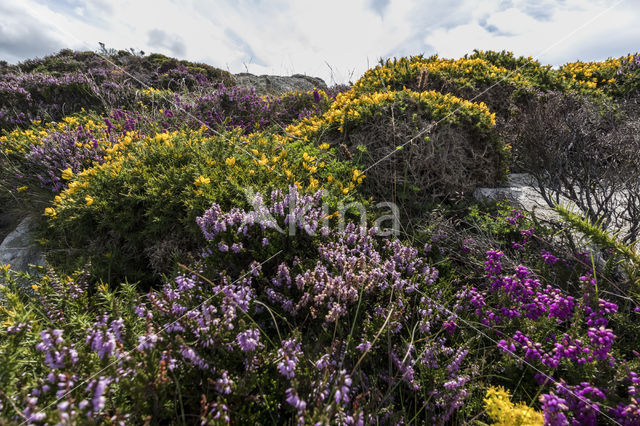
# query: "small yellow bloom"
[5,268]
[231,161]
[503,412]
[23,188]
[324,146]
[89,200]
[345,191]
[50,212]
[35,287]
[67,174]
[201,180]
[263,161]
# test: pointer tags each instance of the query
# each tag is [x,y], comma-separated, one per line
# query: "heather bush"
[563,322]
[338,327]
[68,82]
[240,107]
[248,350]
[153,70]
[28,97]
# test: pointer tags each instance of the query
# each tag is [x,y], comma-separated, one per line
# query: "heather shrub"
[137,209]
[68,82]
[240,107]
[412,144]
[155,70]
[278,342]
[28,97]
[562,322]
[37,158]
[341,326]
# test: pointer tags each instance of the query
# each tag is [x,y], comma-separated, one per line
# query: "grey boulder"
[19,248]
[277,85]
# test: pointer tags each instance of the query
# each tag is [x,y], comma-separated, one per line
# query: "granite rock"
[19,248]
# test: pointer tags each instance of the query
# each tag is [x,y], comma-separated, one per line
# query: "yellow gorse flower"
[201,180]
[503,412]
[67,174]
[89,200]
[313,183]
[231,161]
[49,211]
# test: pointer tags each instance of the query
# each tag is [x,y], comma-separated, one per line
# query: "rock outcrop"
[277,85]
[19,248]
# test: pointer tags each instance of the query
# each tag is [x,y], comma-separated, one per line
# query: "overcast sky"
[333,39]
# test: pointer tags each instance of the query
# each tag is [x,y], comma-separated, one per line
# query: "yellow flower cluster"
[463,71]
[21,141]
[269,152]
[503,412]
[592,74]
[201,180]
[349,106]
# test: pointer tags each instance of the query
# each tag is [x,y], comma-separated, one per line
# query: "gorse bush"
[412,143]
[468,77]
[504,412]
[140,203]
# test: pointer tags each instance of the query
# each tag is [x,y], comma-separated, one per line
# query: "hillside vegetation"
[216,256]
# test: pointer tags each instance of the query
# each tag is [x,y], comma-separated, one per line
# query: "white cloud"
[318,38]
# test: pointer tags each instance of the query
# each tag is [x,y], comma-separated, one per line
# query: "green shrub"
[387,134]
[131,214]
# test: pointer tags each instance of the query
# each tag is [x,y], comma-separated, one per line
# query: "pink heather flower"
[294,400]
[248,340]
[323,362]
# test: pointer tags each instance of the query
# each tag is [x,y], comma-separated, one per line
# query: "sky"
[336,40]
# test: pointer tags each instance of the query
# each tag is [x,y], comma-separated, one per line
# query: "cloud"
[379,6]
[333,39]
[242,46]
[173,43]
[23,36]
